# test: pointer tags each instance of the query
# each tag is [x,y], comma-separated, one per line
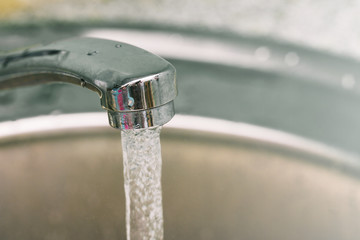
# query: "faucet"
[136,87]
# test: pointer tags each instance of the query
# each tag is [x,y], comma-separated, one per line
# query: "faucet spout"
[136,87]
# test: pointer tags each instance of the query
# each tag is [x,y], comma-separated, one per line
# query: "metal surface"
[221,75]
[216,185]
[142,119]
[228,181]
[131,82]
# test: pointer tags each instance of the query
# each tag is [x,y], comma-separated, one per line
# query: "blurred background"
[332,26]
[283,74]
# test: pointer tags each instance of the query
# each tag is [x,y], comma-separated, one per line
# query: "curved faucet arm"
[135,86]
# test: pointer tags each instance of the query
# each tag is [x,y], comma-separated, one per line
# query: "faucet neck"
[136,87]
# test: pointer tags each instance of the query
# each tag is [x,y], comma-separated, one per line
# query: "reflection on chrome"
[135,97]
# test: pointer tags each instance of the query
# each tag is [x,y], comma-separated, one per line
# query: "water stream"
[142,179]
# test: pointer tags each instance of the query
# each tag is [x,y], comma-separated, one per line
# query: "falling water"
[142,179]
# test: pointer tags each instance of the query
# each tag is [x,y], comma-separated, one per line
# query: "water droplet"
[262,54]
[292,59]
[82,83]
[62,55]
[348,81]
[91,53]
[118,45]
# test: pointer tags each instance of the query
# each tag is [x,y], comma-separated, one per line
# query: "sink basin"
[282,163]
[67,183]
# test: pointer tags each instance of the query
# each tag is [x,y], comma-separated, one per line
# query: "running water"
[142,180]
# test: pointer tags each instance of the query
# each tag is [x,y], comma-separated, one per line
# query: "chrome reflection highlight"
[142,119]
[135,86]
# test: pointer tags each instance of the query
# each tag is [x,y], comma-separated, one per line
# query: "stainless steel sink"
[284,165]
[66,183]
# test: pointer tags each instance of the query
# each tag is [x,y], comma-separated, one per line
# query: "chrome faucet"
[137,88]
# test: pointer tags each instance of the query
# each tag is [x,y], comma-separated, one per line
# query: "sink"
[259,148]
[66,183]
[256,80]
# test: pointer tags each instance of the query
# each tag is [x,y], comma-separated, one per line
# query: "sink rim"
[52,124]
